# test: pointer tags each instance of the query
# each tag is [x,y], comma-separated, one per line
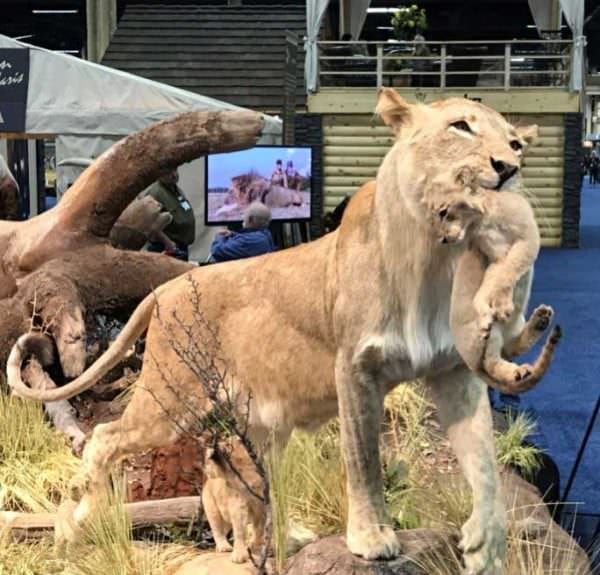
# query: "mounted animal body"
[340,321]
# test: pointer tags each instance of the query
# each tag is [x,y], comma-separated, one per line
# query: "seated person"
[181,232]
[253,240]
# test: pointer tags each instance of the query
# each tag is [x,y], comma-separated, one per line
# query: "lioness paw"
[484,546]
[239,555]
[373,542]
[223,547]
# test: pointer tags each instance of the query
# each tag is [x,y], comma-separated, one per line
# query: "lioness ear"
[528,133]
[394,110]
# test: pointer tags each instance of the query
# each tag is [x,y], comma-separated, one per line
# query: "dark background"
[448,20]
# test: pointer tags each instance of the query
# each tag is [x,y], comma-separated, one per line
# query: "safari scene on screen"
[279,177]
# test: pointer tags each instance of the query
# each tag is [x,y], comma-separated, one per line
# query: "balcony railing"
[440,65]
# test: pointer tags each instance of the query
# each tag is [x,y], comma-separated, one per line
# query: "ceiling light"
[55,11]
[381,10]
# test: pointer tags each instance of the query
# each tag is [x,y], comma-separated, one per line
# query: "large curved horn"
[97,198]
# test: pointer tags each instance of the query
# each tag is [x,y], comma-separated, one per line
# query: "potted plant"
[408,21]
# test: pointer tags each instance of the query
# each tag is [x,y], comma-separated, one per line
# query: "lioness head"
[447,142]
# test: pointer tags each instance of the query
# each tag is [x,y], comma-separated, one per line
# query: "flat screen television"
[277,176]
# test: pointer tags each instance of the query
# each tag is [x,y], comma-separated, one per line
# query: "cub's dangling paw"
[542,316]
[502,306]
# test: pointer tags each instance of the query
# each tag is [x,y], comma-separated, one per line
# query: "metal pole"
[443,53]
[507,66]
[581,451]
[379,66]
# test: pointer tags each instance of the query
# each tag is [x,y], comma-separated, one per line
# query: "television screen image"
[277,176]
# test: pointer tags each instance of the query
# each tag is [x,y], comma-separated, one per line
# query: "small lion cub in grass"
[491,285]
[228,503]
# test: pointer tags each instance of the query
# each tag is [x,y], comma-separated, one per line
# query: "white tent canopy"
[88,107]
[68,95]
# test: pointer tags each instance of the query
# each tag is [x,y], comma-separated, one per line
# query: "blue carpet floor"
[569,281]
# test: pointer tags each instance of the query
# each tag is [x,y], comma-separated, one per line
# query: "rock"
[330,555]
[528,518]
[174,471]
[212,563]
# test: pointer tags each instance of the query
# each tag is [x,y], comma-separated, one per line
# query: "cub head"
[454,217]
[445,140]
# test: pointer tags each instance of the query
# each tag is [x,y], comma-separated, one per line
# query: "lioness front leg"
[464,412]
[360,401]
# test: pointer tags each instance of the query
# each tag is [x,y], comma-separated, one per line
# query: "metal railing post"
[379,66]
[443,66]
[507,52]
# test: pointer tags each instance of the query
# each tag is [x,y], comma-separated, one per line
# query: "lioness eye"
[462,125]
[516,145]
[443,213]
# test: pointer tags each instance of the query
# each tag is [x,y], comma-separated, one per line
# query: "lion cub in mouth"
[228,503]
[491,285]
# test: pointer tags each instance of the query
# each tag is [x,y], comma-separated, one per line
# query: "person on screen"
[181,232]
[292,176]
[253,240]
[278,176]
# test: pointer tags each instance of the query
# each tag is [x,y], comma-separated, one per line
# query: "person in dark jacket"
[253,240]
[181,232]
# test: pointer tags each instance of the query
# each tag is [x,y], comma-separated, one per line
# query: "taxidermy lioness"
[486,313]
[328,328]
[228,503]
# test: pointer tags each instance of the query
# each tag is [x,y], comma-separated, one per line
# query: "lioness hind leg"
[144,425]
[464,412]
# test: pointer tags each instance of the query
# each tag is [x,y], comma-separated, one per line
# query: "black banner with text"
[14,81]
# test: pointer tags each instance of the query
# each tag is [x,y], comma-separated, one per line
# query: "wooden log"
[27,526]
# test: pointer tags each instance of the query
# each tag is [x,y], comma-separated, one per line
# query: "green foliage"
[408,21]
[513,452]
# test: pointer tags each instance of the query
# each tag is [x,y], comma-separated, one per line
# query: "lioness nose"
[504,170]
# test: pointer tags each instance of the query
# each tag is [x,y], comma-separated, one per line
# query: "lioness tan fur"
[486,315]
[228,503]
[329,327]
